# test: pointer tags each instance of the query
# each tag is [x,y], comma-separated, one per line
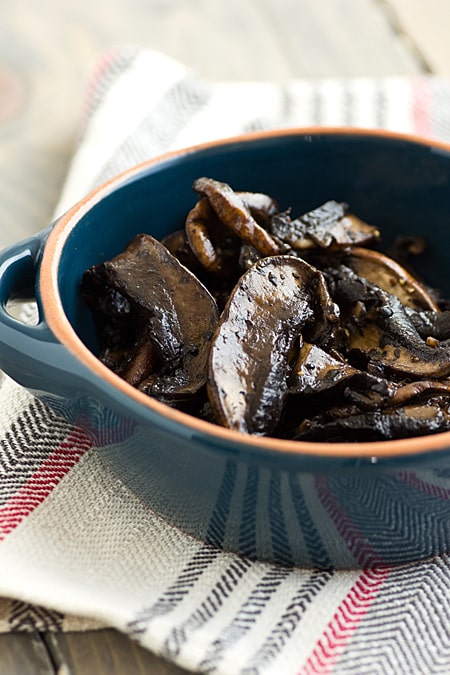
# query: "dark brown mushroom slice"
[388,275]
[316,371]
[431,324]
[328,226]
[116,327]
[178,245]
[176,313]
[216,248]
[142,362]
[412,390]
[115,358]
[349,290]
[325,326]
[406,421]
[199,237]
[256,341]
[391,343]
[324,407]
[406,247]
[262,207]
[103,298]
[380,334]
[235,214]
[248,256]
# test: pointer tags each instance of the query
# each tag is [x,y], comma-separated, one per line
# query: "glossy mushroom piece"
[233,211]
[389,275]
[406,421]
[257,340]
[172,342]
[329,225]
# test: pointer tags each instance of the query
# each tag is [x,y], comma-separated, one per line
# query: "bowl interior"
[401,186]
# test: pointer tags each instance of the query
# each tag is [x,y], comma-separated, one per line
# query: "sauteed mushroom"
[254,346]
[210,241]
[379,425]
[390,276]
[268,324]
[178,245]
[392,342]
[160,293]
[431,324]
[412,390]
[317,371]
[261,206]
[326,226]
[234,212]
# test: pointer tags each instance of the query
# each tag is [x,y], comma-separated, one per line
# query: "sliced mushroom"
[102,296]
[142,363]
[113,316]
[430,324]
[329,225]
[172,310]
[178,245]
[248,256]
[390,276]
[316,371]
[235,214]
[255,343]
[400,422]
[116,359]
[347,288]
[202,227]
[261,206]
[393,344]
[380,334]
[325,326]
[411,390]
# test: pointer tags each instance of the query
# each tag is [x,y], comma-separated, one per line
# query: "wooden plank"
[24,654]
[229,40]
[326,38]
[44,65]
[104,652]
[425,25]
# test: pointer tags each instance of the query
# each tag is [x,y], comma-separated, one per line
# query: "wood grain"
[46,56]
[24,654]
[104,652]
[425,26]
[339,38]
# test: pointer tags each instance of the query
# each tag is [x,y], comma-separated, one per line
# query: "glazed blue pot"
[313,504]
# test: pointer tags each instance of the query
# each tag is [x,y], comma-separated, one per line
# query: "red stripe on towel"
[43,481]
[98,74]
[416,482]
[344,623]
[421,106]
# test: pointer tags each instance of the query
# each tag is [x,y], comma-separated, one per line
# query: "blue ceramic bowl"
[315,504]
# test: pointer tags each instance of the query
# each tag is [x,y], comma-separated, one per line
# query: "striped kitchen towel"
[78,549]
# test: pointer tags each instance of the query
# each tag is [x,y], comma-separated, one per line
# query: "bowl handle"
[31,354]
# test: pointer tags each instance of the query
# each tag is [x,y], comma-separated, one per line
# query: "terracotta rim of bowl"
[62,329]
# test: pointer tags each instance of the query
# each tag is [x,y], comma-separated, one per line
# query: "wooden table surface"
[46,50]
